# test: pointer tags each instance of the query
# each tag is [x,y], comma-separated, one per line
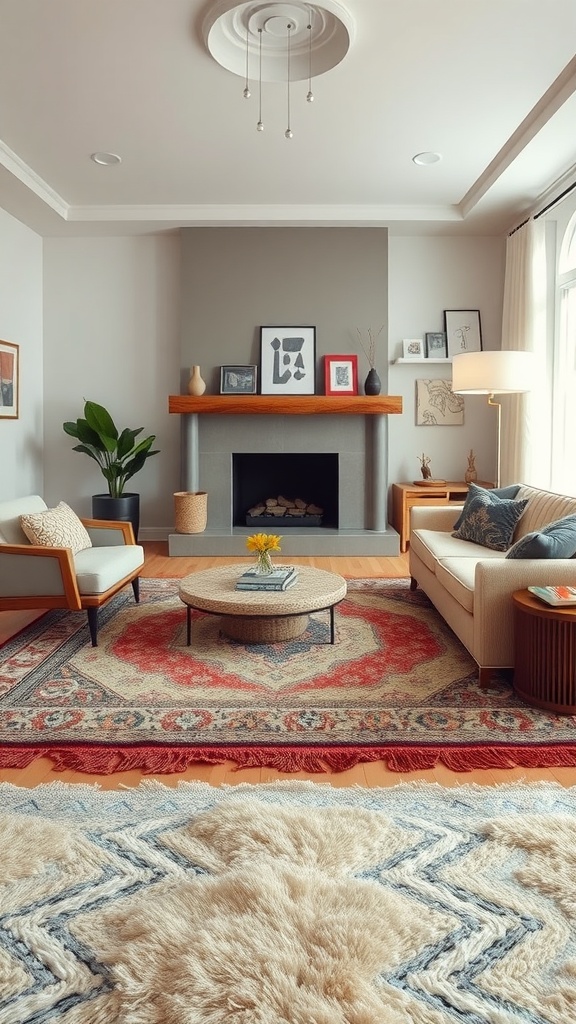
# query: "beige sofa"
[471,585]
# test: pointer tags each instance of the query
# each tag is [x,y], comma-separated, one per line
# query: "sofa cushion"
[557,540]
[544,507]
[457,577]
[493,493]
[431,545]
[490,521]
[57,527]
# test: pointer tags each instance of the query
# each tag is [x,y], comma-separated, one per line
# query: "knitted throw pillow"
[57,527]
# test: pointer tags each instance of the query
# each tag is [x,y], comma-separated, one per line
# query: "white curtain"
[525,443]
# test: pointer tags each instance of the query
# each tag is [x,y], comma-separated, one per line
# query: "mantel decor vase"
[264,565]
[196,384]
[372,384]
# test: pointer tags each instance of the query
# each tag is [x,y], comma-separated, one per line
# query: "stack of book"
[281,578]
[558,597]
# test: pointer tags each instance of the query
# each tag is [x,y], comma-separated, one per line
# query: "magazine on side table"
[558,597]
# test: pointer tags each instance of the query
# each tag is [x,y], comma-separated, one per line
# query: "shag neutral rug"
[397,684]
[288,903]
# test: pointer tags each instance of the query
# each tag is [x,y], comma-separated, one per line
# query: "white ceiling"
[489,84]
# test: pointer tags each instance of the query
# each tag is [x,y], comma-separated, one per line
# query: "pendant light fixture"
[291,42]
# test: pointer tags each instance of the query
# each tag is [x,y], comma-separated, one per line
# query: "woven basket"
[190,511]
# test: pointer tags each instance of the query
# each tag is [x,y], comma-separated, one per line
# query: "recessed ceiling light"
[423,159]
[107,159]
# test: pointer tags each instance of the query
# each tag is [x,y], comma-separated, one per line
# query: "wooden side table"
[406,495]
[544,653]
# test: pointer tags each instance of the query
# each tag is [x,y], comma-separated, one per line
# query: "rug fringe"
[95,760]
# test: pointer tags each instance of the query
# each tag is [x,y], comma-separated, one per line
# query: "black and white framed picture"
[436,347]
[238,380]
[463,331]
[287,360]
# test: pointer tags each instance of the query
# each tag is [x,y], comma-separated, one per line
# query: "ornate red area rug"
[396,685]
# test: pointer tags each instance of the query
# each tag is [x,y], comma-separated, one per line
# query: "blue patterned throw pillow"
[557,540]
[490,521]
[496,492]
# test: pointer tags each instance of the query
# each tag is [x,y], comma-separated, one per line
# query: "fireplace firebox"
[312,479]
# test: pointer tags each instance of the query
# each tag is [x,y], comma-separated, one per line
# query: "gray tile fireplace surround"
[361,443]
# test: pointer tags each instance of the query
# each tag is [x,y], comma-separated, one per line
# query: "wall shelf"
[421,362]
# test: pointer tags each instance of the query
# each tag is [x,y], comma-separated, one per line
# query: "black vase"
[125,509]
[372,384]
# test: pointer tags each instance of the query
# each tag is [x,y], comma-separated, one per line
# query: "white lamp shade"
[492,373]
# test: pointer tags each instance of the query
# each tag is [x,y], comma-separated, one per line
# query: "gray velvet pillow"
[490,522]
[556,540]
[496,492]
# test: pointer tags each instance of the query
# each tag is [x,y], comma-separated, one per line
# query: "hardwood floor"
[159,564]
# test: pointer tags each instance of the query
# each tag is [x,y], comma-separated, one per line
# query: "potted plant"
[119,456]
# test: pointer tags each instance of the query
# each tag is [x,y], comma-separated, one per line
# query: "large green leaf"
[118,455]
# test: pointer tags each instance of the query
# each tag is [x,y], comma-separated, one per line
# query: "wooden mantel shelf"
[286,405]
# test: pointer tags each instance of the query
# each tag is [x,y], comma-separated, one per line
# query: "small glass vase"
[264,564]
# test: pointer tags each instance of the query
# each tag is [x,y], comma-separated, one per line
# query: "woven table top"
[213,590]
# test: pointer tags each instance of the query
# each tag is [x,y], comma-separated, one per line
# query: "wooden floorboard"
[372,774]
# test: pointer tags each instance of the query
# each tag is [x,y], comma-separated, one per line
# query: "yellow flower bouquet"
[262,544]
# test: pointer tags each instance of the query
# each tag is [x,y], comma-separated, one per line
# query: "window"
[564,391]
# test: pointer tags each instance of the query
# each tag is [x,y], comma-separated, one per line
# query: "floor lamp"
[493,373]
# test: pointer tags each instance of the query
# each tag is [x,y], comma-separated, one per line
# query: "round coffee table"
[261,616]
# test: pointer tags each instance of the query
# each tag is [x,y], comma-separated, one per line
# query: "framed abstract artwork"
[287,360]
[463,331]
[341,375]
[9,380]
[238,380]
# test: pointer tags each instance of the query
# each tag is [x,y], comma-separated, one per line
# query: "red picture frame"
[341,375]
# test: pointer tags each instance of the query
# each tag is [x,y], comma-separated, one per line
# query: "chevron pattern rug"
[397,685]
[287,903]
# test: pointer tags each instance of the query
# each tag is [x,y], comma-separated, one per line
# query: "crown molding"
[12,162]
[260,215]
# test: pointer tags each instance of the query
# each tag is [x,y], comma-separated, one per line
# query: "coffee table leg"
[188,625]
[331,623]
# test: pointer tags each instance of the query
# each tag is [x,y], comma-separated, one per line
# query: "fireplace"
[310,478]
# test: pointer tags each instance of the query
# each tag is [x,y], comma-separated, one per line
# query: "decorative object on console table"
[287,360]
[9,380]
[341,375]
[463,331]
[196,384]
[437,405]
[471,475]
[436,347]
[119,456]
[238,380]
[190,511]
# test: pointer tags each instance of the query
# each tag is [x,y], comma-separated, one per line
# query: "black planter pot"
[126,509]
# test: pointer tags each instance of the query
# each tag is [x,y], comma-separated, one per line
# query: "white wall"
[21,440]
[426,276]
[111,335]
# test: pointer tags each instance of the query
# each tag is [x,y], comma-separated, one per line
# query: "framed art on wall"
[341,375]
[9,380]
[238,380]
[436,345]
[413,348]
[463,332]
[437,405]
[287,360]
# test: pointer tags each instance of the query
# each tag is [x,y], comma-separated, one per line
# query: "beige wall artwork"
[437,405]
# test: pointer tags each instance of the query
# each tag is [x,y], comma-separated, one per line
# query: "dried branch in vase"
[369,346]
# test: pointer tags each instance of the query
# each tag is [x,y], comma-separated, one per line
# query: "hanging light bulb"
[310,94]
[260,125]
[288,133]
[246,93]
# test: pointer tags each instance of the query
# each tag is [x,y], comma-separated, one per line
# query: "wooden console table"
[544,653]
[405,496]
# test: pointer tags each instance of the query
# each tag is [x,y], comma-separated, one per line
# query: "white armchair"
[38,576]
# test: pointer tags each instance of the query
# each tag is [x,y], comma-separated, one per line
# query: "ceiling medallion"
[272,41]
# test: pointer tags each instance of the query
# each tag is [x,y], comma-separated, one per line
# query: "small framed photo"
[287,360]
[463,332]
[238,380]
[9,380]
[341,375]
[413,348]
[436,347]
